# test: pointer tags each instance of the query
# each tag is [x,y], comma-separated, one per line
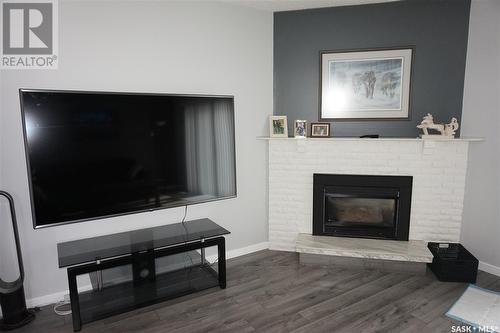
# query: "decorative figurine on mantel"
[447,131]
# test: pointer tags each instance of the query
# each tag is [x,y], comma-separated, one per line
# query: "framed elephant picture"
[366,84]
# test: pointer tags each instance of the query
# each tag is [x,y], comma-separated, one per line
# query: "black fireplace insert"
[362,206]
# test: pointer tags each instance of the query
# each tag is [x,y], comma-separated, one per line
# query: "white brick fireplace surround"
[438,168]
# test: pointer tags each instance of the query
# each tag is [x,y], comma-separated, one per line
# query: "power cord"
[213,263]
[186,234]
[62,312]
[185,214]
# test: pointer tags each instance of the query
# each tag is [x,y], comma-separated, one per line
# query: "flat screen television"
[97,154]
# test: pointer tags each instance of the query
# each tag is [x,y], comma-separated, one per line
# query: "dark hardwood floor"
[269,291]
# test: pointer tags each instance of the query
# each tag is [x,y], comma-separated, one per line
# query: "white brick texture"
[438,169]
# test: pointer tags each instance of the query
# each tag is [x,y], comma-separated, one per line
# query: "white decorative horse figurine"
[445,130]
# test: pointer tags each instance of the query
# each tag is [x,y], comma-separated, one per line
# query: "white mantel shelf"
[373,139]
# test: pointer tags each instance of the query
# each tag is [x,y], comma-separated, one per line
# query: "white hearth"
[407,251]
[438,168]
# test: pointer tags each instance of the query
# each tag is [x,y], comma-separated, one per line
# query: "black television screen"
[94,154]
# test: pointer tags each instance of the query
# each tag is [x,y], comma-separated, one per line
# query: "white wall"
[8,258]
[184,47]
[481,228]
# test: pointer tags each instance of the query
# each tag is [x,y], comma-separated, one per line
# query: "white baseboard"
[242,251]
[53,298]
[274,247]
[247,250]
[488,268]
[59,296]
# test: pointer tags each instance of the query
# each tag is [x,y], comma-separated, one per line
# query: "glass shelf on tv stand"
[140,253]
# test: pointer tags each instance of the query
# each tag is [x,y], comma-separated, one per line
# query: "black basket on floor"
[453,263]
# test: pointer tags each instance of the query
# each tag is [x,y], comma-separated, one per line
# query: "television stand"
[139,252]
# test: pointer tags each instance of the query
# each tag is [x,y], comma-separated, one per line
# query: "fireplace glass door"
[360,211]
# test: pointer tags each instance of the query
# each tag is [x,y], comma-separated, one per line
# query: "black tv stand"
[139,250]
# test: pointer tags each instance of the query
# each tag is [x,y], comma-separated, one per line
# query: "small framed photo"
[300,129]
[278,127]
[320,130]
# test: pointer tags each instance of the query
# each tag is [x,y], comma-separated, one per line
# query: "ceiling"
[271,5]
[283,5]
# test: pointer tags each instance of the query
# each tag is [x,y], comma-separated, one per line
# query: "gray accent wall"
[438,29]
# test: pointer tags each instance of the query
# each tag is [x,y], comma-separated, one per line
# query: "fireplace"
[362,206]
